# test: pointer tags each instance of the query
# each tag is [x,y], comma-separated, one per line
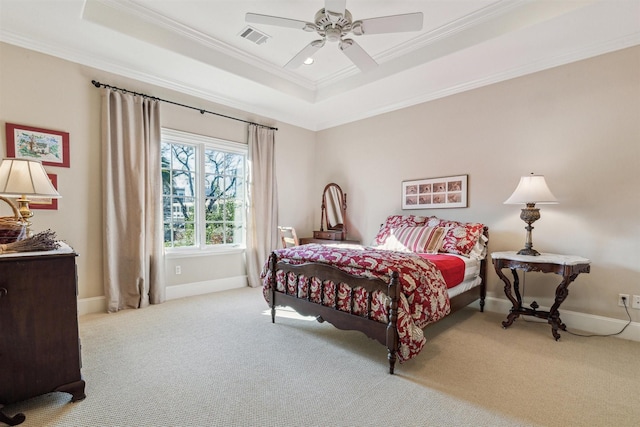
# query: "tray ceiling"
[195,47]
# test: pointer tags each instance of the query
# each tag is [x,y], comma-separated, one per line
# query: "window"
[203,191]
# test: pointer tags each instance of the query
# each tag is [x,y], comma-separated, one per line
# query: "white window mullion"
[201,240]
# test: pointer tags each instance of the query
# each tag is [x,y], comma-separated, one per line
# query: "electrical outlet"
[179,271]
[626,300]
[635,303]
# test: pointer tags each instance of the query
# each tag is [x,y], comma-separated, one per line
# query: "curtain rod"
[202,111]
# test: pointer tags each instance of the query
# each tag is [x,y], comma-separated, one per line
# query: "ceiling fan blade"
[389,24]
[357,55]
[335,6]
[256,18]
[308,51]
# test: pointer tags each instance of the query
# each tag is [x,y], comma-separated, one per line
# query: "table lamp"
[531,189]
[21,178]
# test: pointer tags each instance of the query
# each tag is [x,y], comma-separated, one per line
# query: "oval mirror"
[334,207]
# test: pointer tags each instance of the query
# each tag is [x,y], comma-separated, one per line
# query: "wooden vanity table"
[333,218]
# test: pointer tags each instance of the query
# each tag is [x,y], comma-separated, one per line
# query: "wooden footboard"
[386,334]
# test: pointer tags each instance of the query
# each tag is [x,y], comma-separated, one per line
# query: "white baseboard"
[583,322]
[92,305]
[208,286]
[99,304]
[575,321]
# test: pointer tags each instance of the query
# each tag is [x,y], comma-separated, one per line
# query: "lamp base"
[528,251]
[530,214]
[25,212]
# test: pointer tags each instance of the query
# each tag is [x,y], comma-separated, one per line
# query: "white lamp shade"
[21,177]
[531,189]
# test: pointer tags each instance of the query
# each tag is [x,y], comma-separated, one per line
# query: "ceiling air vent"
[254,35]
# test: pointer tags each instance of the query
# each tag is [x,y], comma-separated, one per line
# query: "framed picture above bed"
[435,193]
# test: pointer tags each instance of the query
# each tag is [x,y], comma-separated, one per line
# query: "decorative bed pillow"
[434,221]
[397,221]
[415,239]
[479,250]
[461,237]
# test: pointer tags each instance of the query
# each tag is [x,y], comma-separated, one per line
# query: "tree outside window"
[204,191]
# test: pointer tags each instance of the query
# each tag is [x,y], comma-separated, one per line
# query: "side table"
[567,266]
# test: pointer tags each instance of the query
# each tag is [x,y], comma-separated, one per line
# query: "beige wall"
[42,91]
[579,125]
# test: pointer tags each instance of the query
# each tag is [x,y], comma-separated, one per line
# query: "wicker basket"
[12,228]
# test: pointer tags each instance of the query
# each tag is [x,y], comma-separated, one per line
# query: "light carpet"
[217,360]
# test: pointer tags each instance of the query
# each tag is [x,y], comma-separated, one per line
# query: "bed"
[417,271]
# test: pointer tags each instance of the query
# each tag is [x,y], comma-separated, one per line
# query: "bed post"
[483,272]
[273,260]
[392,327]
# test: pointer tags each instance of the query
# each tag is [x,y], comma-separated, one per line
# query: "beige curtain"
[262,221]
[132,205]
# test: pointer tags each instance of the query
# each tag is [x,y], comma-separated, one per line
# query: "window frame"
[200,144]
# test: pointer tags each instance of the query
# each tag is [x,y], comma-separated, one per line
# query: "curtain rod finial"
[95,83]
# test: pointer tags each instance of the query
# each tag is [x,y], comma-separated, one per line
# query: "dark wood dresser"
[39,341]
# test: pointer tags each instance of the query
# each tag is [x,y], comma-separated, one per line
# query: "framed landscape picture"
[48,146]
[434,193]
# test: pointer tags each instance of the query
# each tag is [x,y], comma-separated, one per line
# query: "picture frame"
[435,193]
[43,202]
[47,146]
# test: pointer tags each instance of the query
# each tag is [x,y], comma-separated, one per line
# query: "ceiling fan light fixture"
[333,34]
[308,61]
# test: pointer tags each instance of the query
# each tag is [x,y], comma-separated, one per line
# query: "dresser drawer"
[327,235]
[307,240]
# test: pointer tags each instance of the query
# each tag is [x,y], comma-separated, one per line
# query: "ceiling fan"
[333,23]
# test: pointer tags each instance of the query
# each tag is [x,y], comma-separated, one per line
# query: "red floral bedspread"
[423,299]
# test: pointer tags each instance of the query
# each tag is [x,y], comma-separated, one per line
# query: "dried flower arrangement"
[43,241]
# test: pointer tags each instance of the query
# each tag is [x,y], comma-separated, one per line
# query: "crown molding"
[533,67]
